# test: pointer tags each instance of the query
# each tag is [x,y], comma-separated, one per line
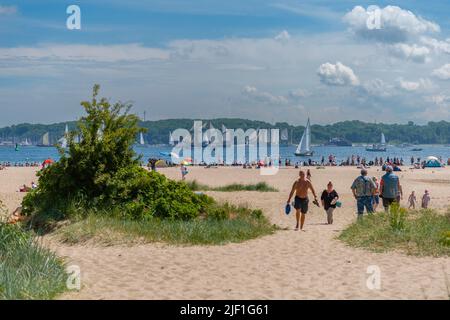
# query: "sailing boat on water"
[141,139]
[304,147]
[171,140]
[63,141]
[379,147]
[45,140]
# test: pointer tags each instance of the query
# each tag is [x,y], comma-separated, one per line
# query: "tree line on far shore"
[354,131]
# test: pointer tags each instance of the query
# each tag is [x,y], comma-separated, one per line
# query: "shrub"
[102,171]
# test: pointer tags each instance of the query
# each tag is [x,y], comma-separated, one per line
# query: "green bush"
[102,171]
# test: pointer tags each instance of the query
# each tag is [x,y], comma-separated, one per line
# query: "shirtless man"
[300,188]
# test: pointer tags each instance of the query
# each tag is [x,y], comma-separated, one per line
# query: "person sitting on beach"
[390,188]
[24,188]
[33,185]
[300,189]
[363,189]
[329,198]
[412,200]
[426,200]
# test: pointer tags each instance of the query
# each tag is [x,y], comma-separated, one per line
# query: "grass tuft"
[27,270]
[260,187]
[419,233]
[228,224]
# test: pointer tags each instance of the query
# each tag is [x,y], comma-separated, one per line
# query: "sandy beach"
[287,265]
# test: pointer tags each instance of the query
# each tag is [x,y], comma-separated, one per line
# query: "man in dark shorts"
[301,201]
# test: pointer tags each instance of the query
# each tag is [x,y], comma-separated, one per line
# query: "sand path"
[286,265]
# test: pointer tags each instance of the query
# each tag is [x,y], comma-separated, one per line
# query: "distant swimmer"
[300,189]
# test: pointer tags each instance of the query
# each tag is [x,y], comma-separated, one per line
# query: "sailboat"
[63,140]
[45,140]
[171,141]
[141,139]
[25,143]
[379,147]
[304,147]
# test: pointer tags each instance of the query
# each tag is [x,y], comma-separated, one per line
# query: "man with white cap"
[390,188]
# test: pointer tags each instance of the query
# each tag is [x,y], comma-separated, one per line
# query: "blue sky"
[280,60]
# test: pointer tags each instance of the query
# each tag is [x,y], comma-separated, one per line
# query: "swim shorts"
[302,204]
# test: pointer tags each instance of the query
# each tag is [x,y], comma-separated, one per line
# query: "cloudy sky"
[272,60]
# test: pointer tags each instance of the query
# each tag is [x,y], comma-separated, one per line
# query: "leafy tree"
[102,171]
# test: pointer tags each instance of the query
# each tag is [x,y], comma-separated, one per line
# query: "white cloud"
[437,45]
[337,75]
[396,24]
[99,53]
[423,84]
[413,52]
[298,94]
[283,36]
[263,97]
[377,88]
[7,9]
[443,72]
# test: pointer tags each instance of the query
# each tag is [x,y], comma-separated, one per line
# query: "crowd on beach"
[8,164]
[367,191]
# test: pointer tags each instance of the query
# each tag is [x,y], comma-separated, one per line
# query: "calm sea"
[39,154]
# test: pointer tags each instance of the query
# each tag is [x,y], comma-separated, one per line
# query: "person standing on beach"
[184,172]
[308,175]
[363,189]
[329,198]
[376,195]
[300,189]
[412,200]
[425,200]
[390,188]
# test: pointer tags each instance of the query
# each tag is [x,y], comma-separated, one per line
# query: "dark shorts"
[302,204]
[388,201]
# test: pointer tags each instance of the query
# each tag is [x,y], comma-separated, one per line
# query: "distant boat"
[338,142]
[379,147]
[25,143]
[45,140]
[304,147]
[141,139]
[171,141]
[417,149]
[63,141]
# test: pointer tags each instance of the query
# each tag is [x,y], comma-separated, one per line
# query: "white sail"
[305,143]
[63,140]
[383,139]
[141,139]
[46,139]
[171,142]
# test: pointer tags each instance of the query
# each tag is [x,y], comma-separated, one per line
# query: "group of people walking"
[366,190]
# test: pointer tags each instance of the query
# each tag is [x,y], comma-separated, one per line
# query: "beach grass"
[418,233]
[260,187]
[236,224]
[28,270]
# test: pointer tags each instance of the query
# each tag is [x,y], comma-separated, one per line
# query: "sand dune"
[286,265]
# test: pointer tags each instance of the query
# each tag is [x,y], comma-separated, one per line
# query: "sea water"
[39,154]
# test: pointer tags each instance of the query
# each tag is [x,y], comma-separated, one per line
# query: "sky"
[270,60]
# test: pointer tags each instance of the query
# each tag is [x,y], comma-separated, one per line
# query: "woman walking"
[329,199]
